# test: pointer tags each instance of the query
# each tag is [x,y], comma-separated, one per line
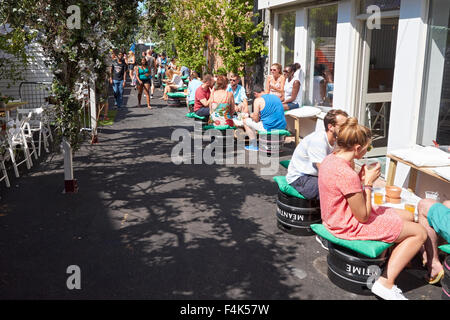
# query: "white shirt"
[288,86]
[312,149]
[176,79]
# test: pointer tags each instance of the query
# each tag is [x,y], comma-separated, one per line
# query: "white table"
[407,197]
[302,112]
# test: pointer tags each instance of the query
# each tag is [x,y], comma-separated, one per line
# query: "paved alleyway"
[141,227]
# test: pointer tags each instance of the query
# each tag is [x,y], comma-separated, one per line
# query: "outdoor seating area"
[26,128]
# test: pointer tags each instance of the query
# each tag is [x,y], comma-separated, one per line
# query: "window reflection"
[286,22]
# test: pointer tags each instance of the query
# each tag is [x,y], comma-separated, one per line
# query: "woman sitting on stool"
[346,207]
[173,84]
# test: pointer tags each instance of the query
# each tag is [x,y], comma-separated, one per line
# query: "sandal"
[149,107]
[436,278]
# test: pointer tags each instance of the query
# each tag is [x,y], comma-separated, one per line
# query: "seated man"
[173,84]
[268,114]
[303,169]
[194,83]
[240,98]
[435,217]
[202,95]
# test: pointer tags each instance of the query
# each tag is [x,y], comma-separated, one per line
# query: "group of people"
[224,101]
[143,72]
[323,167]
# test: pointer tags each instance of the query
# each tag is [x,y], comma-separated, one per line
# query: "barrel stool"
[295,214]
[225,137]
[199,123]
[445,282]
[271,142]
[353,265]
[174,99]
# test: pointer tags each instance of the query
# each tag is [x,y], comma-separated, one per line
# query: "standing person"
[131,64]
[185,71]
[291,89]
[221,106]
[151,64]
[268,114]
[143,76]
[118,78]
[347,212]
[202,95]
[275,81]
[162,67]
[194,83]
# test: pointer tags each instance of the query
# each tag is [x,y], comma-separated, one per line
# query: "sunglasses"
[369,148]
[232,80]
[273,69]
[285,71]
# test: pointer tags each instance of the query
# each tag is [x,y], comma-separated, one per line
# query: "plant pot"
[393,192]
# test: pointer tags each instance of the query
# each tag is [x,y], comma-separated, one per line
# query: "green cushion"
[218,127]
[369,248]
[285,163]
[286,188]
[177,94]
[279,132]
[445,248]
[184,77]
[182,88]
[194,115]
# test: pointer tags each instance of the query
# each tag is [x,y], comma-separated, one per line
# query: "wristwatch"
[366,186]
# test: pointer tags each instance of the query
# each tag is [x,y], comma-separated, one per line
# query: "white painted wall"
[35,71]
[347,41]
[407,85]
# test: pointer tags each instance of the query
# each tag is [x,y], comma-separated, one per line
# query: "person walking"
[151,63]
[118,78]
[143,76]
[131,64]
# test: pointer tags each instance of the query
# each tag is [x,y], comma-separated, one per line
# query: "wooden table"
[10,106]
[413,173]
[296,114]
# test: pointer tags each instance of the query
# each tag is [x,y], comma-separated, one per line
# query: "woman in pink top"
[346,207]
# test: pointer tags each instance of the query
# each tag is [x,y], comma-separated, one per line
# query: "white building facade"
[386,62]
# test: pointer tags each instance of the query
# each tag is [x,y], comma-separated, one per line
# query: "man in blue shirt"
[240,98]
[268,114]
[194,83]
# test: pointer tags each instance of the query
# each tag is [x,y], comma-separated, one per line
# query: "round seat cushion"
[304,112]
[176,94]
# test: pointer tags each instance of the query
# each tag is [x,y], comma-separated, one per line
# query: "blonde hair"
[351,133]
[169,74]
[278,66]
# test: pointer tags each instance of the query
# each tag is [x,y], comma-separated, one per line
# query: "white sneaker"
[323,242]
[387,294]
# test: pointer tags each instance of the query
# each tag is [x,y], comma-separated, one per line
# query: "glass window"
[286,29]
[384,5]
[435,107]
[320,56]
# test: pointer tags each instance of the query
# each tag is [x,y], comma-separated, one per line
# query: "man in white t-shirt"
[310,152]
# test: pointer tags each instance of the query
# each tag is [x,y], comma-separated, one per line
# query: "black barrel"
[270,144]
[173,102]
[350,270]
[224,138]
[295,215]
[445,282]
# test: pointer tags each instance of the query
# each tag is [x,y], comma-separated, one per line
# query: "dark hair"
[145,63]
[194,74]
[258,88]
[207,77]
[330,117]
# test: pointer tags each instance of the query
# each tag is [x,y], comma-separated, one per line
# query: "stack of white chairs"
[40,123]
[19,135]
[3,157]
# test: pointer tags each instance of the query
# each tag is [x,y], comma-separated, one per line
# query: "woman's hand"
[370,175]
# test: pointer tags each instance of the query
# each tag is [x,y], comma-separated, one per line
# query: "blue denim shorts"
[292,105]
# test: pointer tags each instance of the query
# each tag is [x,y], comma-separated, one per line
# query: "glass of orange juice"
[378,198]
[410,207]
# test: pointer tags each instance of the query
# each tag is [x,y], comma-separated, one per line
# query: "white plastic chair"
[38,123]
[3,158]
[16,138]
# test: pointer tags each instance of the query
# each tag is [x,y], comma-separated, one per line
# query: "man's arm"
[256,108]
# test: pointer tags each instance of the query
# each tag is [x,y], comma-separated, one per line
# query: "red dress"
[336,180]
